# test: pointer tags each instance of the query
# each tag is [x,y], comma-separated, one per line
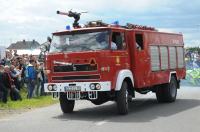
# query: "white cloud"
[168,30]
[190,35]
[21,11]
[35,19]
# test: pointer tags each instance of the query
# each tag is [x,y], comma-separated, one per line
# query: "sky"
[37,19]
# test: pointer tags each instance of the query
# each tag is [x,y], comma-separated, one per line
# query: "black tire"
[167,92]
[102,98]
[67,106]
[122,99]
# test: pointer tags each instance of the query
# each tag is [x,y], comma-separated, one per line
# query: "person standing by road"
[31,78]
[15,74]
[3,89]
[9,84]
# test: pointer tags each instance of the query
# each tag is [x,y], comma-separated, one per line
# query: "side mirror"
[49,39]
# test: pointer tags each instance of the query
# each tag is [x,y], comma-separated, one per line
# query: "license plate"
[72,88]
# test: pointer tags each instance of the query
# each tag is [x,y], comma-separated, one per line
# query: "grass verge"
[35,102]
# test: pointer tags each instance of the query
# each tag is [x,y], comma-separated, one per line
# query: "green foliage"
[35,102]
[193,49]
[193,76]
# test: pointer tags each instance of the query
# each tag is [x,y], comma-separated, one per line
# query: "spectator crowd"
[21,71]
[192,59]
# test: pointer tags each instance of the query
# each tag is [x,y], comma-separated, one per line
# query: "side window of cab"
[118,41]
[139,42]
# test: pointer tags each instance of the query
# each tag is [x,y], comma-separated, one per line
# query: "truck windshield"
[80,42]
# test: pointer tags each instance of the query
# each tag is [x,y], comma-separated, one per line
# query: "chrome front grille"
[75,67]
[85,77]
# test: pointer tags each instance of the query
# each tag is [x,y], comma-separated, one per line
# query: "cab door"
[119,50]
[142,59]
[117,57]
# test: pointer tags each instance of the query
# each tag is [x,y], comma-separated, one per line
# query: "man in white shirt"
[113,45]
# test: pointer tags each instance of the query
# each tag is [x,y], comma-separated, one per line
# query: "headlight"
[92,86]
[50,87]
[98,86]
[54,87]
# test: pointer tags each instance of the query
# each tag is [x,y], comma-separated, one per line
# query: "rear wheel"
[167,92]
[66,105]
[122,99]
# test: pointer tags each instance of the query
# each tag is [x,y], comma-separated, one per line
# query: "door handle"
[146,60]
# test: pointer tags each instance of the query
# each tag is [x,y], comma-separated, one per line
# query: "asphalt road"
[145,115]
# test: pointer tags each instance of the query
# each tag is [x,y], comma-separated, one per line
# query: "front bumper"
[82,86]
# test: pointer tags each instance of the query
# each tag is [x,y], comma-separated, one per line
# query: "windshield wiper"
[87,48]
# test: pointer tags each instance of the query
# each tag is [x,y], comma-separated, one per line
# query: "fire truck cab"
[111,63]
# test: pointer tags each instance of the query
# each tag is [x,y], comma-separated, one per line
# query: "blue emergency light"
[68,27]
[115,23]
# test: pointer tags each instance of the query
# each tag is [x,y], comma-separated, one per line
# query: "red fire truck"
[101,63]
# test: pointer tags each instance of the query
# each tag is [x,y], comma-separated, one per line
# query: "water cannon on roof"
[75,15]
[100,23]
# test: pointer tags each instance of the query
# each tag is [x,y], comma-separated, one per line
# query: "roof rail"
[97,23]
[100,23]
[134,26]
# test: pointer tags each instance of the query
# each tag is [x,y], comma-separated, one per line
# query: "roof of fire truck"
[99,25]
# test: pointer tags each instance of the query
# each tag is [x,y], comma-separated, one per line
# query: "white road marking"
[101,122]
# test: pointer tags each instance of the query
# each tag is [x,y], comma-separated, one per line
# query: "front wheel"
[67,106]
[122,99]
[167,92]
